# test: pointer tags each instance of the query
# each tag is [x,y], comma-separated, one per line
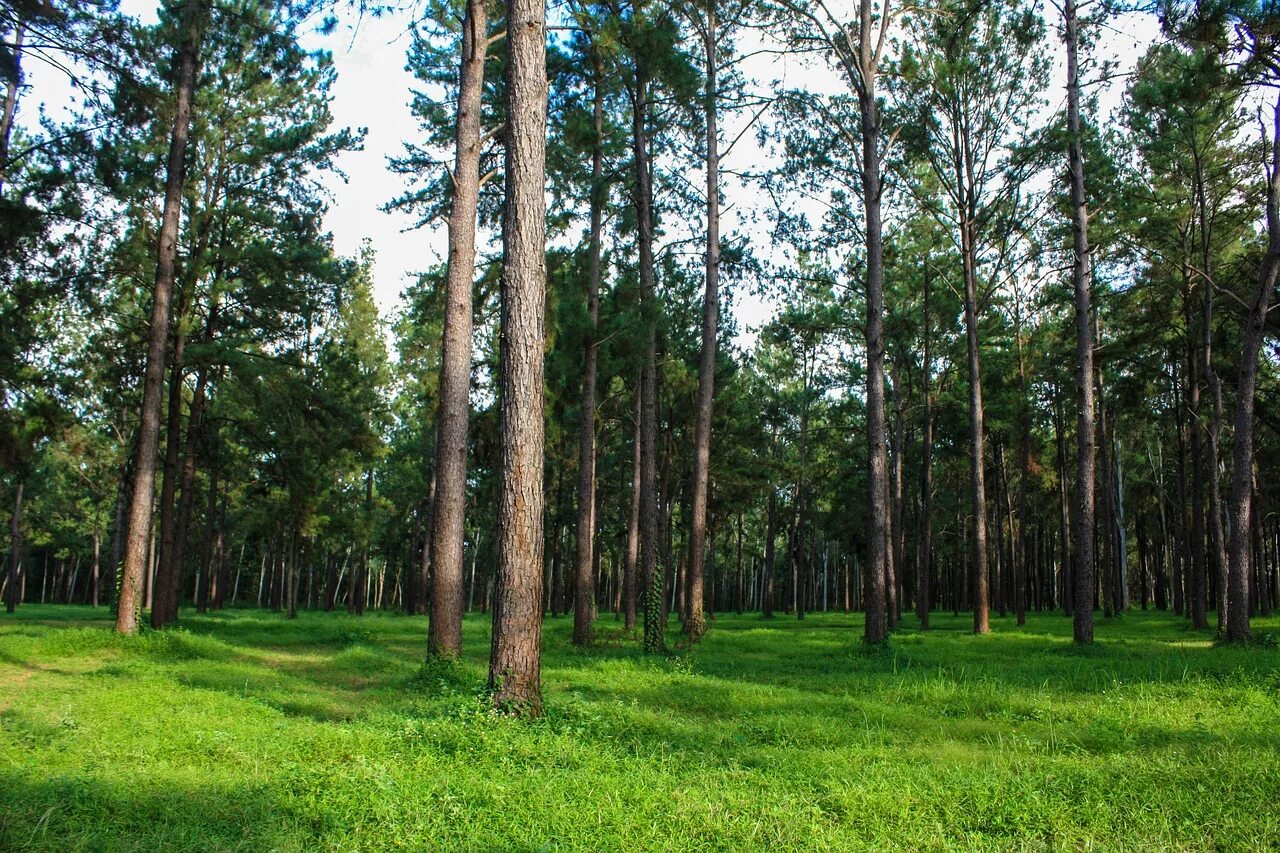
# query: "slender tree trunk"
[13,593]
[1196,586]
[96,576]
[695,625]
[584,588]
[924,548]
[1238,628]
[208,583]
[738,601]
[876,627]
[143,491]
[654,622]
[898,539]
[770,555]
[1085,441]
[631,556]
[1183,580]
[977,440]
[164,595]
[515,657]
[444,637]
[11,90]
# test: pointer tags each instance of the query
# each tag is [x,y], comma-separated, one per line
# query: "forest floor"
[244,730]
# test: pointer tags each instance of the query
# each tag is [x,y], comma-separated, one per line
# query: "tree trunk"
[874,597]
[629,566]
[11,91]
[1196,587]
[1238,628]
[13,593]
[695,625]
[143,491]
[515,658]
[208,583]
[1085,442]
[924,548]
[898,539]
[444,638]
[584,588]
[770,555]
[654,624]
[164,595]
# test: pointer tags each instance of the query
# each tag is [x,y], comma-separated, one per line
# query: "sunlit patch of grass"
[245,730]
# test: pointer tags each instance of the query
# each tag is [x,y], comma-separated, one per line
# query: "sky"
[373,90]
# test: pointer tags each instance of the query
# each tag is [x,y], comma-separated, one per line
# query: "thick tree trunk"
[515,657]
[584,588]
[143,491]
[444,638]
[1085,440]
[1238,628]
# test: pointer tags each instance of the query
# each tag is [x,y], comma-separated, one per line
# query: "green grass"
[244,730]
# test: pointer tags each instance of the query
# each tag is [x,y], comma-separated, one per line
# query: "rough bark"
[143,490]
[876,628]
[924,547]
[444,637]
[695,625]
[584,587]
[11,90]
[631,557]
[164,596]
[1085,439]
[1240,507]
[13,592]
[770,554]
[654,615]
[515,656]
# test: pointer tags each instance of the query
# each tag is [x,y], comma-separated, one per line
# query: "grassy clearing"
[243,730]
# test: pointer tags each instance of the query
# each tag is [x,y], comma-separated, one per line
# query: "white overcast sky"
[372,91]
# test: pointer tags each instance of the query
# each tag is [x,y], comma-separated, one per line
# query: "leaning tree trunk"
[1238,629]
[515,657]
[143,490]
[444,636]
[584,586]
[1086,449]
[695,625]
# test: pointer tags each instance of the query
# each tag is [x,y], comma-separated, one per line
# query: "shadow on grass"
[87,813]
